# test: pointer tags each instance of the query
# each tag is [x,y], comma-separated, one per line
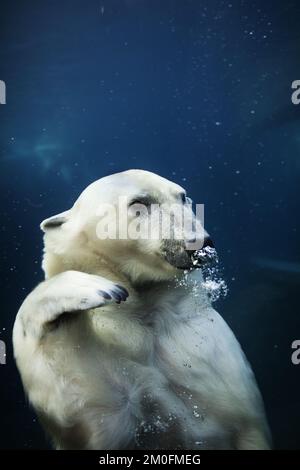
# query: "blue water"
[197,91]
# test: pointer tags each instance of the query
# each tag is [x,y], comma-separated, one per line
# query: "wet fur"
[161,370]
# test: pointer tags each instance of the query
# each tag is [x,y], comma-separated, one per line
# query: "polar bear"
[115,352]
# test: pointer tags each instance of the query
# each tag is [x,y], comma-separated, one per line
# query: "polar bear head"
[135,223]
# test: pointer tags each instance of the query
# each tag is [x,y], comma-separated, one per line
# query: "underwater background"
[198,91]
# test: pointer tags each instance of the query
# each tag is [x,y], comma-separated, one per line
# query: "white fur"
[161,370]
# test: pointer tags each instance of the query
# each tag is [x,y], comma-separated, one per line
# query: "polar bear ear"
[55,221]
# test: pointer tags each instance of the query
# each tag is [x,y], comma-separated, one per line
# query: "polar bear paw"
[74,290]
[67,292]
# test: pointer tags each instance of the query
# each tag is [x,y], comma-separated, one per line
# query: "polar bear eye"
[183,198]
[144,201]
[137,201]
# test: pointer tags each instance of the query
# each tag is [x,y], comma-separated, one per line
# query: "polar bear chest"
[147,380]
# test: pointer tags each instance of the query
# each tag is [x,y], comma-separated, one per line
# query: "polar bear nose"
[207,241]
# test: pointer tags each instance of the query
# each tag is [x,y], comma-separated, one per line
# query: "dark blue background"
[197,91]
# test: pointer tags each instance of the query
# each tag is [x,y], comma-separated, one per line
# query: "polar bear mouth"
[181,258]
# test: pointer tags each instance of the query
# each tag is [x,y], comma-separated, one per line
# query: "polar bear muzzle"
[176,253]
